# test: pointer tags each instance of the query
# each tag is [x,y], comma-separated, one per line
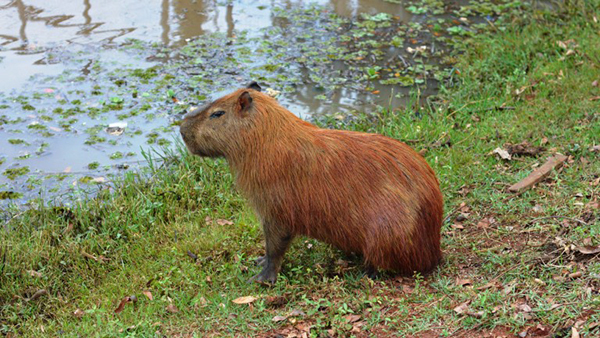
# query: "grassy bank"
[182,241]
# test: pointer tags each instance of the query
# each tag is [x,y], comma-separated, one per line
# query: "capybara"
[363,193]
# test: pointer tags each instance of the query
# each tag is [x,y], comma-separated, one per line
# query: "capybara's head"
[214,129]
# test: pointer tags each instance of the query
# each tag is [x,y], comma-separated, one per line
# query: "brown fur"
[360,192]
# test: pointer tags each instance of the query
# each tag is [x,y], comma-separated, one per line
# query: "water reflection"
[51,22]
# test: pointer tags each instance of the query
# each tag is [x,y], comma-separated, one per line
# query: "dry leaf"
[574,332]
[123,302]
[352,318]
[224,222]
[589,250]
[576,274]
[297,313]
[275,300]
[463,282]
[279,318]
[502,153]
[595,149]
[78,313]
[486,286]
[147,294]
[33,273]
[462,308]
[244,300]
[38,294]
[172,308]
[524,308]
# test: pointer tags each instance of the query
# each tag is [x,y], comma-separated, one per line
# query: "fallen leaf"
[148,294]
[595,149]
[172,308]
[38,294]
[279,318]
[595,83]
[523,307]
[275,301]
[297,313]
[576,274]
[124,301]
[244,300]
[78,313]
[34,273]
[463,282]
[524,148]
[224,222]
[486,286]
[589,250]
[462,308]
[574,332]
[352,318]
[502,153]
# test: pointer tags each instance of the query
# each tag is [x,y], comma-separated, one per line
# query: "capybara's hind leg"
[277,242]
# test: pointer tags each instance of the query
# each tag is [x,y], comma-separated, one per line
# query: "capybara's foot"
[371,272]
[266,276]
[261,260]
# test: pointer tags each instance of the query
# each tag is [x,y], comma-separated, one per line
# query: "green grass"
[149,230]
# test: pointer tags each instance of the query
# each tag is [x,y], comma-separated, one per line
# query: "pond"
[88,86]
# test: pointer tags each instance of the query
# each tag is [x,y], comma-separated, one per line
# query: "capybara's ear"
[254,85]
[244,103]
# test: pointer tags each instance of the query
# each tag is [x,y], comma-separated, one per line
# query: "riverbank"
[168,250]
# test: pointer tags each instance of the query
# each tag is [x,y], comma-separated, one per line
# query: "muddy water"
[28,28]
[70,70]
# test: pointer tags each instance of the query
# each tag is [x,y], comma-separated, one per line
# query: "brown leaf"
[595,149]
[486,222]
[589,250]
[595,83]
[486,286]
[122,304]
[457,226]
[463,282]
[224,222]
[352,318]
[38,294]
[462,308]
[148,294]
[275,301]
[574,332]
[523,307]
[34,273]
[244,300]
[172,308]
[279,318]
[524,148]
[78,313]
[99,259]
[297,313]
[576,274]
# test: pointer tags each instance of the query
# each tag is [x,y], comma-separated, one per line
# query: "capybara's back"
[361,192]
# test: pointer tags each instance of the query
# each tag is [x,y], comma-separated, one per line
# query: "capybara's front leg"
[277,242]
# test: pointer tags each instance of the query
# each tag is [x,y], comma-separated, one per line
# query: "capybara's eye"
[217,114]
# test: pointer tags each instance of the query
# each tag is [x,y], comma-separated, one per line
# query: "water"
[78,57]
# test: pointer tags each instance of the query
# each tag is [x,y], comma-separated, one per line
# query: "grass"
[180,233]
